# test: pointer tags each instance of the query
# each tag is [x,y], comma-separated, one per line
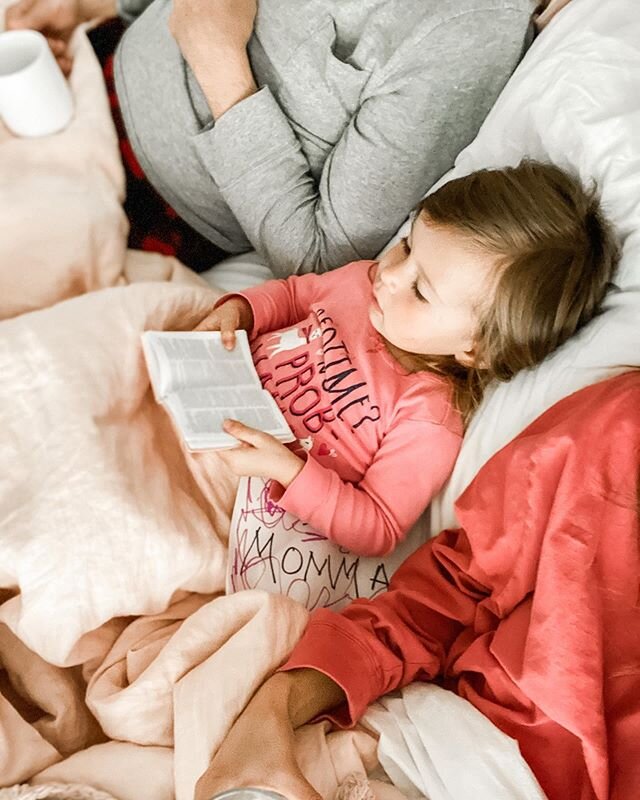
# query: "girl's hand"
[260,455]
[233,315]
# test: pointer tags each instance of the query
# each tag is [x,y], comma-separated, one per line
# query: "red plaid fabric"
[155,226]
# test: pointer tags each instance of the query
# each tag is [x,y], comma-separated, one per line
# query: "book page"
[202,384]
[199,360]
[201,412]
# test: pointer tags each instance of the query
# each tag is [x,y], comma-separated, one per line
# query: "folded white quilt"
[436,745]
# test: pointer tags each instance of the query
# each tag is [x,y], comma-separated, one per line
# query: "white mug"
[35,98]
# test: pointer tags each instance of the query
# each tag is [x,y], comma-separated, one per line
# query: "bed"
[111,558]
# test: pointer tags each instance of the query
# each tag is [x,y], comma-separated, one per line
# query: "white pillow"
[574,100]
[274,551]
[237,273]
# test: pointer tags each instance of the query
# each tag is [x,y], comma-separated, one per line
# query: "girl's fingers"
[210,323]
[236,458]
[228,333]
[243,432]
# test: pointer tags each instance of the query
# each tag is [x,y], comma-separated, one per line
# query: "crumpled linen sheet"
[172,682]
[435,744]
[112,566]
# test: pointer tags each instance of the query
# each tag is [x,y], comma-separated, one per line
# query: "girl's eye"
[416,291]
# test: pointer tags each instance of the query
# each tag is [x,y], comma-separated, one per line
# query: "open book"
[202,384]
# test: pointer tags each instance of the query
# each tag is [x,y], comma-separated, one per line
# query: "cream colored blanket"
[62,228]
[112,539]
[104,518]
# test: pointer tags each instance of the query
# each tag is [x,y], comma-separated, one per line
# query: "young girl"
[376,365]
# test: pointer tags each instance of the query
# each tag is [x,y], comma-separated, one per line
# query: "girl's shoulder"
[428,397]
[351,283]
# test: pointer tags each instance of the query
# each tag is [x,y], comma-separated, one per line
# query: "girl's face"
[428,291]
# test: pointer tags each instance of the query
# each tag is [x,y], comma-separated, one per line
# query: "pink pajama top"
[379,441]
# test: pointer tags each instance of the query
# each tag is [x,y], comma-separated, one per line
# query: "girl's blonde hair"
[556,255]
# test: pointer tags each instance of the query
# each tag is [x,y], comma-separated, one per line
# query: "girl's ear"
[471,359]
[466,358]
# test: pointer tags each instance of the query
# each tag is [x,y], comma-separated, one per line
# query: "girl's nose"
[391,275]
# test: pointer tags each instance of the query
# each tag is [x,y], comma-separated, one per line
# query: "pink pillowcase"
[62,229]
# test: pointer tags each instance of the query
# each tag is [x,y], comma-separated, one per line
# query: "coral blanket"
[104,518]
[530,609]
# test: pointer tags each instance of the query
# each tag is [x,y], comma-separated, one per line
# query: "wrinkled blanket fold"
[103,514]
[113,550]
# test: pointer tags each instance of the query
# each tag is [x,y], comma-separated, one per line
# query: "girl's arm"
[412,122]
[281,303]
[414,460]
[272,305]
